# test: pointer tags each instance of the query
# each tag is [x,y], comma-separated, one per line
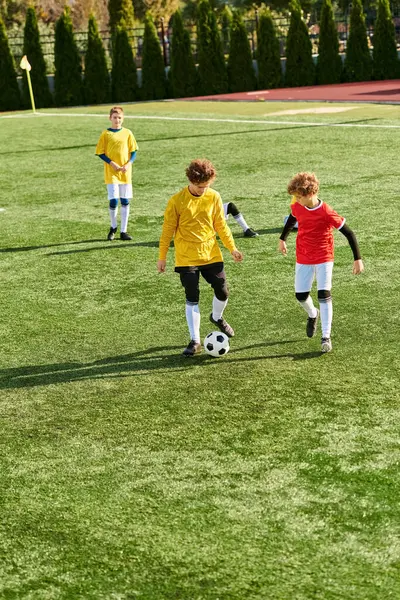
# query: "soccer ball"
[216,343]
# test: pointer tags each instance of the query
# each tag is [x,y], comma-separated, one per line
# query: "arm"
[349,234]
[290,223]
[130,161]
[105,158]
[171,219]
[109,161]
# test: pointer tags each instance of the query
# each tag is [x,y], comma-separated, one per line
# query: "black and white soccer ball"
[216,343]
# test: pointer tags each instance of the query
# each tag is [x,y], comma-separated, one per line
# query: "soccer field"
[130,472]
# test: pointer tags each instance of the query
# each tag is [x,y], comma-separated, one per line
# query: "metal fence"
[164,33]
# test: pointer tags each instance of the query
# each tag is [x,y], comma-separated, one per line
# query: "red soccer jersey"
[314,243]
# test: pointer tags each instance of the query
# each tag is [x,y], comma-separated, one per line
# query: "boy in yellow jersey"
[117,148]
[193,217]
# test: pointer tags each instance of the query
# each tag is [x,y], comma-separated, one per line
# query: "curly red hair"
[303,184]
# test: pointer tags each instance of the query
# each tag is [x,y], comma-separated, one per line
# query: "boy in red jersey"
[315,251]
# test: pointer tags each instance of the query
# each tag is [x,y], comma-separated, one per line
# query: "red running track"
[387,92]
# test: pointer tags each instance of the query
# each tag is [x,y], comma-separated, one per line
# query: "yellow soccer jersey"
[118,146]
[195,221]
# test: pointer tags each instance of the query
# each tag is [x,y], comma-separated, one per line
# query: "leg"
[324,285]
[112,191]
[125,193]
[124,219]
[190,281]
[304,277]
[231,209]
[216,277]
[113,210]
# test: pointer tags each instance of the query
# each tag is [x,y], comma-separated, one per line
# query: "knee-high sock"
[326,309]
[124,217]
[113,216]
[242,221]
[193,321]
[308,306]
[218,307]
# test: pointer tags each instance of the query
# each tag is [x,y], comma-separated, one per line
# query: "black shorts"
[213,273]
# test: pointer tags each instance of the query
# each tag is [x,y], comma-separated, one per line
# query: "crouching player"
[315,251]
[194,216]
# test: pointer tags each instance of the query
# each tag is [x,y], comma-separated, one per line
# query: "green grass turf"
[130,472]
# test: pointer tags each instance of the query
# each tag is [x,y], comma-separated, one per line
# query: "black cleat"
[326,345]
[111,234]
[312,325]
[192,348]
[250,233]
[223,326]
[125,236]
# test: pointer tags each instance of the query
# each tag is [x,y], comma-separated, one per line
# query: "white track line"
[206,120]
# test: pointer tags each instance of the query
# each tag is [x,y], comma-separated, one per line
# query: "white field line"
[205,120]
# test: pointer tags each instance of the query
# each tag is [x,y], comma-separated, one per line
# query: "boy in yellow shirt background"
[193,217]
[117,147]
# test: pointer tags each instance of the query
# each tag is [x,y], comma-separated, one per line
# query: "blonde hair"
[201,170]
[303,184]
[116,109]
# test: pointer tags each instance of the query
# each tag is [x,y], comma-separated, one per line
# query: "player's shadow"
[47,150]
[155,244]
[105,246]
[159,359]
[30,248]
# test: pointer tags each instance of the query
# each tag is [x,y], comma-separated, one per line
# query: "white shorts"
[305,275]
[119,190]
[226,210]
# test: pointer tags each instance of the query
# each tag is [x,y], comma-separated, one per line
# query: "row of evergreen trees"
[212,75]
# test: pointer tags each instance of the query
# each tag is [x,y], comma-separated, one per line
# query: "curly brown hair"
[201,170]
[303,184]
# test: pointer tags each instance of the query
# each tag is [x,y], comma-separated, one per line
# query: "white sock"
[326,309]
[309,307]
[193,321]
[113,216]
[241,220]
[218,307]
[124,217]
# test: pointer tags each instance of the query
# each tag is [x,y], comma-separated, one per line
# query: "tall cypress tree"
[124,86]
[329,63]
[68,85]
[182,73]
[33,51]
[358,61]
[386,64]
[97,78]
[241,74]
[154,83]
[121,14]
[212,69]
[226,22]
[10,96]
[268,55]
[300,69]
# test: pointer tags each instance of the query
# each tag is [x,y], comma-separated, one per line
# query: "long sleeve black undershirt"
[351,238]
[290,223]
[345,230]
